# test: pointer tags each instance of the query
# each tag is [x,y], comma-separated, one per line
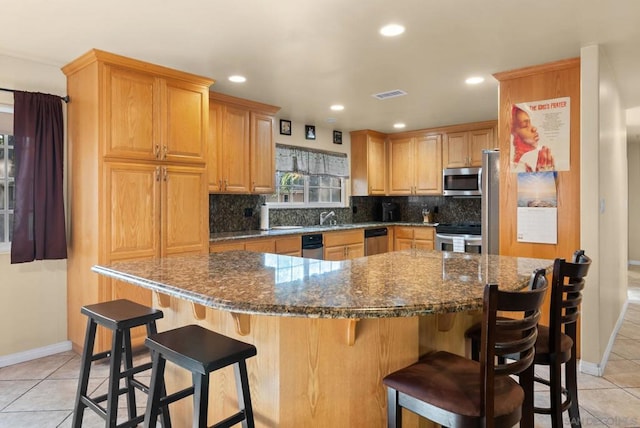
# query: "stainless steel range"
[459,237]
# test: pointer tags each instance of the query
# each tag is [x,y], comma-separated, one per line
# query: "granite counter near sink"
[248,234]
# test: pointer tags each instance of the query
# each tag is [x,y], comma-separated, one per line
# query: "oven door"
[459,243]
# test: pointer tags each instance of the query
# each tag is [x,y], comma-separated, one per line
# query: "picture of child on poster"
[540,136]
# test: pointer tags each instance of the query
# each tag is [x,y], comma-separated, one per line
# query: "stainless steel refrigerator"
[490,205]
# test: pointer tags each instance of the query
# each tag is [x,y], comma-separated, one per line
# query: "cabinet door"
[428,165]
[456,150]
[185,211]
[402,244]
[479,140]
[262,154]
[235,150]
[354,251]
[401,176]
[421,244]
[214,146]
[131,212]
[334,253]
[132,101]
[290,246]
[184,121]
[377,166]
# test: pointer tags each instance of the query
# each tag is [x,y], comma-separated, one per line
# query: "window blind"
[309,161]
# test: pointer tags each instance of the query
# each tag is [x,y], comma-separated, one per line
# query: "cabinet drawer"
[217,247]
[424,233]
[344,237]
[288,245]
[404,232]
[261,246]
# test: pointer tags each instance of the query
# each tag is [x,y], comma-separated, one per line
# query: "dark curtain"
[38,226]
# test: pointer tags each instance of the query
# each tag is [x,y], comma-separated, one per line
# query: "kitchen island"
[326,332]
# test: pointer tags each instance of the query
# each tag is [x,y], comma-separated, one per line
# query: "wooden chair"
[556,344]
[454,391]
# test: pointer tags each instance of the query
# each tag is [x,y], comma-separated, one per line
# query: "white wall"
[633,157]
[33,307]
[604,211]
[323,141]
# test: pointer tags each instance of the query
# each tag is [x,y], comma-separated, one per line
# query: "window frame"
[306,204]
[5,246]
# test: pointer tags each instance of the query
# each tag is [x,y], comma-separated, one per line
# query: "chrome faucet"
[324,216]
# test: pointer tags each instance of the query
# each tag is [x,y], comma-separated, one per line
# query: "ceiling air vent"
[389,94]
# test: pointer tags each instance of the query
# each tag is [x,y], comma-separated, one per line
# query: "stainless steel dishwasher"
[375,241]
[312,246]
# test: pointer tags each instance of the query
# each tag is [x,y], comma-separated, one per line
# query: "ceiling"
[305,56]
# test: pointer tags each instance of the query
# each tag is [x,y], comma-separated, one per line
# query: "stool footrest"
[231,420]
[135,370]
[164,401]
[101,356]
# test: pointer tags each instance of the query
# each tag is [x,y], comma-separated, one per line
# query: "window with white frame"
[309,178]
[7,189]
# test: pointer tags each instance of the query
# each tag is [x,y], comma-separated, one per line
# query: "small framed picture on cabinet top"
[309,132]
[285,127]
[337,137]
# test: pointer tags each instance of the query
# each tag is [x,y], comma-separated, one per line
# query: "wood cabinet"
[415,164]
[406,238]
[368,163]
[343,245]
[464,148]
[152,117]
[241,155]
[137,136]
[289,245]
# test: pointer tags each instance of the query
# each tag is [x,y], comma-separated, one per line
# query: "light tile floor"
[40,393]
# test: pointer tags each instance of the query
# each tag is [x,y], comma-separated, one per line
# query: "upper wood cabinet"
[147,116]
[415,164]
[464,148]
[137,139]
[241,155]
[368,163]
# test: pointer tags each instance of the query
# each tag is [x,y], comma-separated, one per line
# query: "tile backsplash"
[231,213]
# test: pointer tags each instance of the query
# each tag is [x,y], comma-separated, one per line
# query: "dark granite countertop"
[395,284]
[289,230]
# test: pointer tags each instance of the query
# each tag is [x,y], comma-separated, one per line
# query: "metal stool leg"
[200,399]
[85,369]
[114,379]
[244,394]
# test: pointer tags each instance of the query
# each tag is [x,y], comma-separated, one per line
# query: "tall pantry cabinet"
[137,135]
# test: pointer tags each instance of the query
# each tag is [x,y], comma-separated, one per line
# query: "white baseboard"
[33,354]
[597,369]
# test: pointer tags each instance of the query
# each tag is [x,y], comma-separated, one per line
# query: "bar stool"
[200,351]
[119,316]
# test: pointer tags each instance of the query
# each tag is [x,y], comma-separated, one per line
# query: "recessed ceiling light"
[399,125]
[474,80]
[392,30]
[337,107]
[237,79]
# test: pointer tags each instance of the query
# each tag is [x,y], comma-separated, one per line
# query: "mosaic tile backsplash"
[232,213]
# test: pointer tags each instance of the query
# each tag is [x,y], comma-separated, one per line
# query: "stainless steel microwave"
[461,181]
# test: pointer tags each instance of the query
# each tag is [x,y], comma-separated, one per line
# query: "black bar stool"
[200,351]
[119,316]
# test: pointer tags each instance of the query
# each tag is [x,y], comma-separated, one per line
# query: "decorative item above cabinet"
[241,155]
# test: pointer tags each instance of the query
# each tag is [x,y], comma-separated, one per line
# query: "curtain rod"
[65,98]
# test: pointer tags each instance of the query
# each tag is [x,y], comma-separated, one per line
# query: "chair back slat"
[518,336]
[566,297]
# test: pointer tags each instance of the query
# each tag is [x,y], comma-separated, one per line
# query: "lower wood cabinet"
[421,238]
[289,246]
[343,245]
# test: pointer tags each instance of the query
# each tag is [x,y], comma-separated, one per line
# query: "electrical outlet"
[248,212]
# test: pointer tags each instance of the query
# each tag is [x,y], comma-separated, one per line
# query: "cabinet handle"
[254,186]
[164,174]
[157,151]
[164,151]
[220,184]
[226,184]
[157,173]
